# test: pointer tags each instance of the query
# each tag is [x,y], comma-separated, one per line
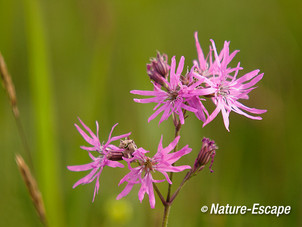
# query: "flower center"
[173,95]
[223,90]
[149,165]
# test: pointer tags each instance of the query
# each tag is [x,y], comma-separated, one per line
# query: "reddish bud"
[158,69]
[115,155]
[207,152]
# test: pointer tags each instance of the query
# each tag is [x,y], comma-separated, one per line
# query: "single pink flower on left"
[101,160]
[162,162]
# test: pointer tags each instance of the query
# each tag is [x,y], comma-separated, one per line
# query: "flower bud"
[207,152]
[158,69]
[115,155]
[129,147]
[184,80]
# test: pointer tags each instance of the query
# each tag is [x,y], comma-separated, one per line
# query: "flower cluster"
[177,92]
[109,155]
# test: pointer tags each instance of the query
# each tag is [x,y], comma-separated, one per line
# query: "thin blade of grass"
[32,188]
[11,92]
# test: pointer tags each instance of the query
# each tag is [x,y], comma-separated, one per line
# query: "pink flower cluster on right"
[209,77]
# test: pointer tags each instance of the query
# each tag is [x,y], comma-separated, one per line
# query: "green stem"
[166,215]
[167,204]
[186,178]
[159,194]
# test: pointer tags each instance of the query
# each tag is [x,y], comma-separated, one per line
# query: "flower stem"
[186,178]
[159,194]
[166,215]
[167,204]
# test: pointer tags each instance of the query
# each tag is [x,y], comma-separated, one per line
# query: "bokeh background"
[82,57]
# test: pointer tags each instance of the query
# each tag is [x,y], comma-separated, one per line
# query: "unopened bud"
[158,69]
[188,78]
[207,152]
[184,80]
[115,155]
[161,64]
[129,147]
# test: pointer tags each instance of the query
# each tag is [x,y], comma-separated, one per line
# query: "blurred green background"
[82,57]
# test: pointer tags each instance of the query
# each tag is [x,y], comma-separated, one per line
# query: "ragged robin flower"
[172,97]
[161,162]
[106,155]
[223,79]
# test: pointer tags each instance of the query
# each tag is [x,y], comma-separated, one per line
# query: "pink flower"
[173,98]
[99,162]
[162,162]
[206,67]
[227,94]
[227,88]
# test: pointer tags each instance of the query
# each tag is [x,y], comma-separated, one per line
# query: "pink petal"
[142,191]
[86,179]
[201,59]
[151,192]
[175,156]
[120,137]
[126,191]
[181,116]
[248,76]
[89,148]
[97,129]
[230,57]
[84,135]
[215,53]
[96,187]
[251,110]
[165,115]
[180,66]
[78,168]
[189,108]
[109,137]
[149,100]
[180,168]
[162,108]
[165,175]
[157,105]
[114,164]
[237,110]
[175,168]
[145,93]
[225,116]
[252,82]
[212,116]
[204,91]
[170,147]
[197,104]
[89,130]
[160,145]
[236,72]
